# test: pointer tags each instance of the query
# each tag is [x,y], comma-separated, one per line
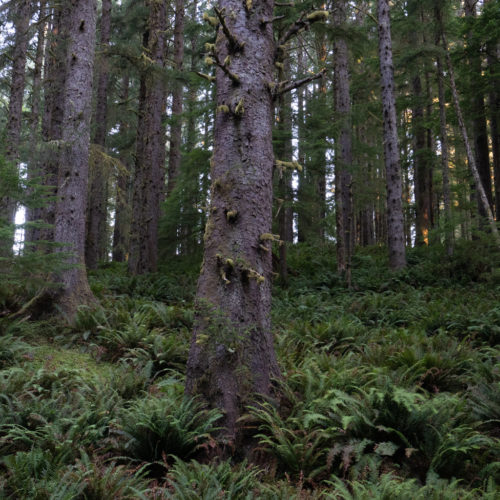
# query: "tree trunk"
[494,101]
[395,224]
[343,156]
[52,119]
[150,155]
[423,173]
[174,158]
[232,356]
[22,15]
[121,230]
[95,245]
[465,137]
[480,132]
[74,158]
[284,152]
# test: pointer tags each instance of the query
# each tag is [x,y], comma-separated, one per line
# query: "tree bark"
[74,158]
[150,155]
[494,102]
[395,224]
[174,158]
[22,15]
[232,358]
[343,156]
[96,244]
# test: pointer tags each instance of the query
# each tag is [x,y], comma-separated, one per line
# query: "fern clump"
[156,427]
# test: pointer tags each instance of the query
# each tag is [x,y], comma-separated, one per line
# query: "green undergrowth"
[390,388]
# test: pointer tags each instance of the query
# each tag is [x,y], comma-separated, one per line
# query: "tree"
[72,185]
[95,243]
[232,355]
[21,15]
[395,225]
[150,150]
[343,154]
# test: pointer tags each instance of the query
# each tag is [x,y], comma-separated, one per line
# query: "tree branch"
[283,87]
[235,44]
[301,23]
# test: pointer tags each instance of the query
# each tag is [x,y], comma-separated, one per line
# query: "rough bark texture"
[52,119]
[395,224]
[232,356]
[95,244]
[74,158]
[480,131]
[343,153]
[174,157]
[13,128]
[150,155]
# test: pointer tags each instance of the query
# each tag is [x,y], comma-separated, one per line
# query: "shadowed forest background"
[249,249]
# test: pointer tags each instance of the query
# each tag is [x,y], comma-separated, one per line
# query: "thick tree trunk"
[74,158]
[343,156]
[395,224]
[96,244]
[8,205]
[150,155]
[232,356]
[52,119]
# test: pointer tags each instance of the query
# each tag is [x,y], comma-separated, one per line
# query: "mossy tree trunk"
[232,358]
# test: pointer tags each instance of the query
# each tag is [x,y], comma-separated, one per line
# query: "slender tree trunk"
[35,112]
[343,156]
[150,155]
[395,224]
[483,198]
[121,230]
[444,158]
[96,241]
[74,158]
[174,159]
[232,356]
[22,15]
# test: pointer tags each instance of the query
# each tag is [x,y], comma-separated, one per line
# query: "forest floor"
[391,389]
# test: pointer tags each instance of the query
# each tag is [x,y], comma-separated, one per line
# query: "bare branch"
[283,87]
